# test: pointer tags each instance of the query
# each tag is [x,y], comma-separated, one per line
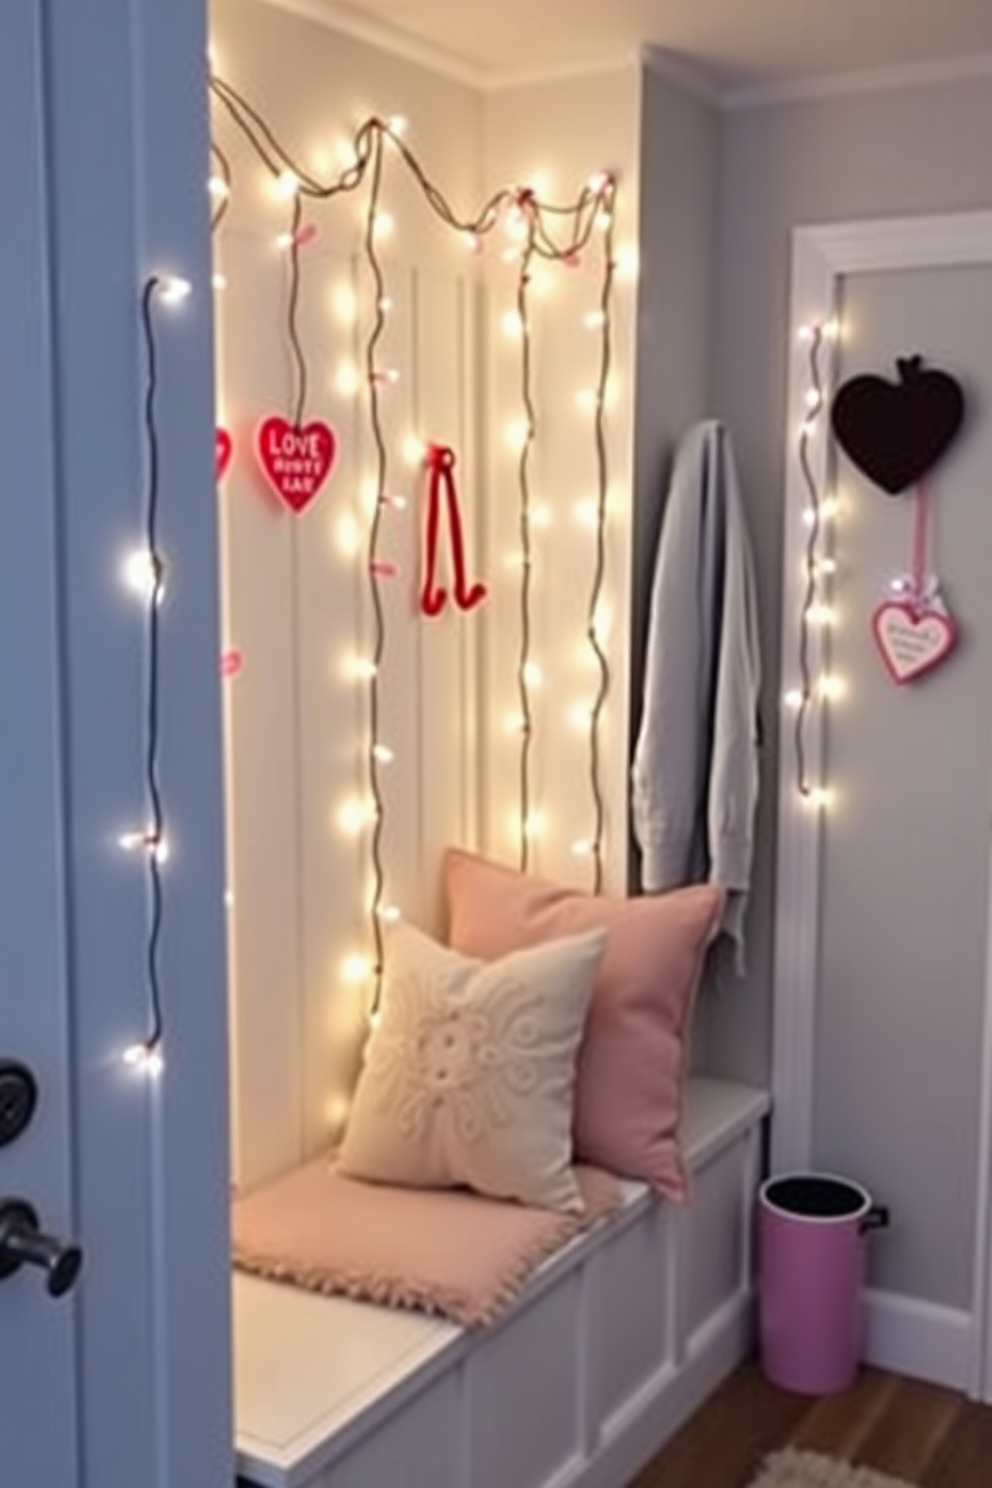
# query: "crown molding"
[877,80]
[682,75]
[500,82]
[334,16]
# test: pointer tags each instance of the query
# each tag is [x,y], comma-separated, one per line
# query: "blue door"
[114,1292]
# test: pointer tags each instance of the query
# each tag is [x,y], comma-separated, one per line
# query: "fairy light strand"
[524,523]
[378,623]
[582,218]
[814,520]
[292,312]
[148,1051]
[599,574]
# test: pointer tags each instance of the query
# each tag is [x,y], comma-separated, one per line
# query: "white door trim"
[821,257]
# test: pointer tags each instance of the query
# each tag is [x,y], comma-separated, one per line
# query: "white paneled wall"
[296,596]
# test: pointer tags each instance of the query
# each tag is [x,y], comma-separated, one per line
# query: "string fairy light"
[604,191]
[816,612]
[526,215]
[535,227]
[146,1054]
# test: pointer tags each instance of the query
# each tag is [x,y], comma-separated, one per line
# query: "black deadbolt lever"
[22,1243]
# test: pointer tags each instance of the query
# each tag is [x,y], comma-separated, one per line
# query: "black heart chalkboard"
[896,431]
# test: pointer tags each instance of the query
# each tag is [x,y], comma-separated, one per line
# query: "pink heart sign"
[912,640]
[224,448]
[295,461]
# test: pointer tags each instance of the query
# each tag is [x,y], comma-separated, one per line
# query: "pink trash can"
[811,1265]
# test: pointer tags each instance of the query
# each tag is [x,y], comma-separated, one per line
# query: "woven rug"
[791,1469]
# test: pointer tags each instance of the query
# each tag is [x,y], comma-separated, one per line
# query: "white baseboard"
[921,1339]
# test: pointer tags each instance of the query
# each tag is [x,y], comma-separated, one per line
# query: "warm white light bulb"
[286,185]
[172,289]
[813,398]
[831,687]
[587,398]
[587,511]
[414,450]
[540,516]
[219,188]
[827,566]
[353,815]
[820,615]
[398,124]
[534,825]
[514,723]
[830,508]
[820,798]
[805,333]
[349,535]
[389,913]
[598,182]
[512,325]
[383,754]
[532,674]
[794,698]
[347,379]
[517,434]
[355,968]
[219,281]
[344,303]
[627,262]
[580,716]
[147,1060]
[138,573]
[361,668]
[582,849]
[831,331]
[594,320]
[383,225]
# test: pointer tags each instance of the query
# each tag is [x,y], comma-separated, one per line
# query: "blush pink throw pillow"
[631,1069]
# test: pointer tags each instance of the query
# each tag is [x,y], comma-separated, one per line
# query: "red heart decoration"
[912,640]
[231,662]
[224,448]
[295,461]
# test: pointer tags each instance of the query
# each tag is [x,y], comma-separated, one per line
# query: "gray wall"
[905,868]
[680,160]
[906,151]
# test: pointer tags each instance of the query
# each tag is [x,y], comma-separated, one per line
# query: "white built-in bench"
[612,1343]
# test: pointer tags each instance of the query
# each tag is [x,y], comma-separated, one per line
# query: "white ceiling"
[738,43]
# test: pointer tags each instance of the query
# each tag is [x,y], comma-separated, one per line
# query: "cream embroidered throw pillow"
[468,1076]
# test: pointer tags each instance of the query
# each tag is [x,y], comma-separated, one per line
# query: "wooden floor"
[926,1435]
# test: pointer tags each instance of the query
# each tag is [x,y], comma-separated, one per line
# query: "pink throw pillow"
[630,1079]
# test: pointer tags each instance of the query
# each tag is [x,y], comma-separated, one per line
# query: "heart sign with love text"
[295,461]
[911,639]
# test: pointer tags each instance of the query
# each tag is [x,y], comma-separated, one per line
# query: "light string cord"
[800,724]
[378,623]
[223,166]
[599,573]
[152,839]
[524,526]
[292,312]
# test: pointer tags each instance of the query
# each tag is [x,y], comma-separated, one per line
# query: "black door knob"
[22,1243]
